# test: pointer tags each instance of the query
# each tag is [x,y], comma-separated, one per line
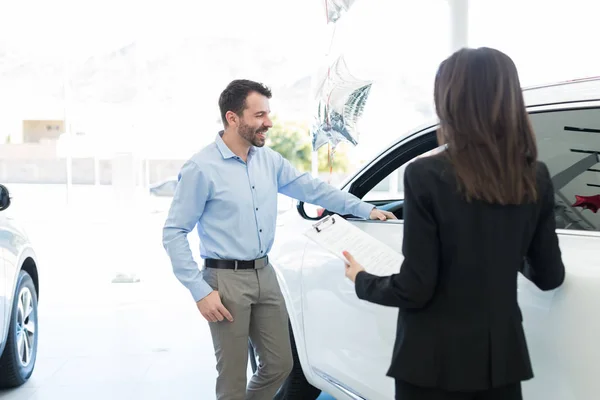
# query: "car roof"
[571,91]
[576,90]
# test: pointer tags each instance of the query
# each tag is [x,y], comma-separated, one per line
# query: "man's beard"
[251,134]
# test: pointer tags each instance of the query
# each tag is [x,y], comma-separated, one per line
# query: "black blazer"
[459,324]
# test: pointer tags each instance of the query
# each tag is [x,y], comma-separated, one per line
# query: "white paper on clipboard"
[336,235]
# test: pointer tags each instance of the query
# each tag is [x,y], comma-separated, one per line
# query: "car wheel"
[18,359]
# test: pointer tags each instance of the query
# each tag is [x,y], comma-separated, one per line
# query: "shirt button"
[252,187]
[257,209]
[260,230]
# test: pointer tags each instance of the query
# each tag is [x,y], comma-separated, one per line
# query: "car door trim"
[576,232]
[340,386]
[376,221]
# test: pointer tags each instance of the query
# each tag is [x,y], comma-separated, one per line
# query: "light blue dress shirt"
[234,206]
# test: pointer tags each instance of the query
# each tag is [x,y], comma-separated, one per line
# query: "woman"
[475,215]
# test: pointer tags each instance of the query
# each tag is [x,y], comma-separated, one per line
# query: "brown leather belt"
[236,264]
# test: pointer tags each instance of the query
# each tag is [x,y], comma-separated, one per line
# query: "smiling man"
[229,190]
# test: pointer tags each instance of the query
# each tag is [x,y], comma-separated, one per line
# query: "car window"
[390,188]
[569,144]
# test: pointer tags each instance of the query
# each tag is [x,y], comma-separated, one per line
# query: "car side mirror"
[310,211]
[4,198]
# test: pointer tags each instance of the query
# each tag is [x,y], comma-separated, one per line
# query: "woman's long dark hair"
[491,143]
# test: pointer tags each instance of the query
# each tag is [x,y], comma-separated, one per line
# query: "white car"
[344,345]
[19,293]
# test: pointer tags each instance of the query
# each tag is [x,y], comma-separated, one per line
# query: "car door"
[5,285]
[349,341]
[561,326]
[9,244]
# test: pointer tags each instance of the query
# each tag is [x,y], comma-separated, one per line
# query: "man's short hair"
[233,98]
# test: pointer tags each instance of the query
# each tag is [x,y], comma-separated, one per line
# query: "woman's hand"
[352,267]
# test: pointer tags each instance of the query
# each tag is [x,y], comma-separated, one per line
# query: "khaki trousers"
[254,299]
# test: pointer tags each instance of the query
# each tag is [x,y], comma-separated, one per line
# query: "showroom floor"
[104,340]
[120,344]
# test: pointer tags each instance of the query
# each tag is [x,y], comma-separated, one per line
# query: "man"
[229,189]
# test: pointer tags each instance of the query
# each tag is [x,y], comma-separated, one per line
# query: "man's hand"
[381,215]
[212,309]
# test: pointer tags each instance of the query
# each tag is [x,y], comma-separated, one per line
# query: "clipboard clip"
[322,223]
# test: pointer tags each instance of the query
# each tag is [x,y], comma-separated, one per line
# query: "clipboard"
[335,234]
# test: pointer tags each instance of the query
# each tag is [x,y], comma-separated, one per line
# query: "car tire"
[16,366]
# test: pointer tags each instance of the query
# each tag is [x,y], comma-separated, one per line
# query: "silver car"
[19,293]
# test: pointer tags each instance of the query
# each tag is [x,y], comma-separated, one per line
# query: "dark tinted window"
[569,143]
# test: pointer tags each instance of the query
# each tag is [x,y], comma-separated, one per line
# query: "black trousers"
[406,391]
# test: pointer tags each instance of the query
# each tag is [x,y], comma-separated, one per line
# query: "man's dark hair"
[233,98]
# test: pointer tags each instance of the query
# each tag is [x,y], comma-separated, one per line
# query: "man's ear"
[232,118]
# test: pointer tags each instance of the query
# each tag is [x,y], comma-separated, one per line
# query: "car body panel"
[15,248]
[353,326]
[4,289]
[579,90]
[345,344]
[286,259]
[7,249]
[560,327]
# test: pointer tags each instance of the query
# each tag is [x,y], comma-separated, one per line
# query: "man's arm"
[302,186]
[190,197]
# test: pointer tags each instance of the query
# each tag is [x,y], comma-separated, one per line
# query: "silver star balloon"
[341,102]
[335,8]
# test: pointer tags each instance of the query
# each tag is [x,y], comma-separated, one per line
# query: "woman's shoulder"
[429,176]
[427,164]
[545,181]
[542,170]
[543,176]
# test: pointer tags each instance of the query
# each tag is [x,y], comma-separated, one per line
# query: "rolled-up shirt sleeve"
[304,187]
[192,192]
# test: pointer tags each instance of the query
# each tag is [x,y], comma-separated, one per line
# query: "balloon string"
[330,161]
[329,152]
[328,110]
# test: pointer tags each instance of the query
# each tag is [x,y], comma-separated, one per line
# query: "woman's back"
[474,216]
[483,246]
[457,288]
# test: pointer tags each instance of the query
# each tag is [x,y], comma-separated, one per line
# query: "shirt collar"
[226,151]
